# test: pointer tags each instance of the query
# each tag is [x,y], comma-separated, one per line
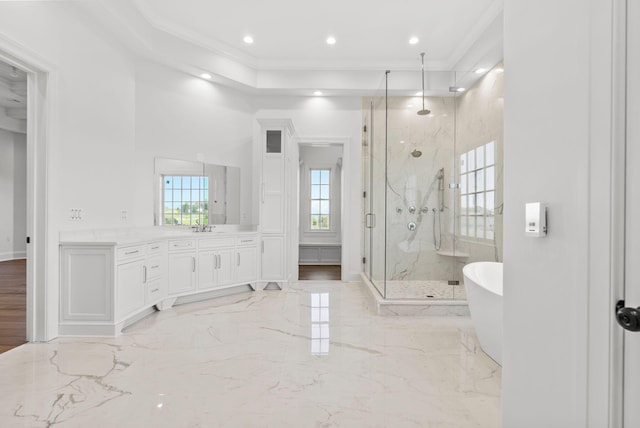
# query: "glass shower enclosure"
[428,201]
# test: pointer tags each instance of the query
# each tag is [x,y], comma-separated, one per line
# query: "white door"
[273,258]
[226,267]
[182,268]
[631,408]
[207,265]
[130,291]
[246,264]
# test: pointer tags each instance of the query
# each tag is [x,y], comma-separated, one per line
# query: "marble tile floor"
[313,355]
[424,289]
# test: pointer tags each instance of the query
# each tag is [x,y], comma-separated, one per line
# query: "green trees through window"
[320,199]
[185,200]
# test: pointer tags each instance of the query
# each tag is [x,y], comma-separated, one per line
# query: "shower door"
[631,410]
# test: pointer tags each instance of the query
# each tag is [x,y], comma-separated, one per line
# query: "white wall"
[13,195]
[330,117]
[111,114]
[183,117]
[550,110]
[327,158]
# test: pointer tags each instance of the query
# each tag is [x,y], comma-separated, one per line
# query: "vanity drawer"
[216,242]
[130,253]
[247,240]
[155,291]
[155,267]
[156,247]
[182,244]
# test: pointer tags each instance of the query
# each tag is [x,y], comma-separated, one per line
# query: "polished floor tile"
[314,355]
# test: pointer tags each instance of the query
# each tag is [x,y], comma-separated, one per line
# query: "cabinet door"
[182,267]
[226,267]
[207,266]
[273,258]
[246,265]
[273,214]
[130,288]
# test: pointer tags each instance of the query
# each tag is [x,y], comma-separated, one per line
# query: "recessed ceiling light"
[456,89]
[480,70]
[205,76]
[331,40]
[419,94]
[499,70]
[317,93]
[413,40]
[248,39]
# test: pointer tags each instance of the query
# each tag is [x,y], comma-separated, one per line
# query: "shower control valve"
[412,209]
[399,210]
[424,210]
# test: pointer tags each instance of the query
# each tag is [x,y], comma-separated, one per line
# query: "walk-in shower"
[431,185]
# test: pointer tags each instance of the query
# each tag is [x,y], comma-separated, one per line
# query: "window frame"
[200,220]
[320,199]
[466,193]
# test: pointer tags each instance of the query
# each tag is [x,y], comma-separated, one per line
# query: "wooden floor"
[319,272]
[13,304]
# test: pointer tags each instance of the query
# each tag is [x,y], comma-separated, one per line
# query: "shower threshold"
[419,298]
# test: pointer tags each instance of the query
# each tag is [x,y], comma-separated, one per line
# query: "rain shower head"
[416,153]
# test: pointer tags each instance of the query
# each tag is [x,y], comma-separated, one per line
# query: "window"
[185,199]
[320,199]
[477,192]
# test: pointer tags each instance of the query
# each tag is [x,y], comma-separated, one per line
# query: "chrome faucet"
[201,228]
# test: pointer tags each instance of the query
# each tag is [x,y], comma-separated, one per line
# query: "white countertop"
[130,236]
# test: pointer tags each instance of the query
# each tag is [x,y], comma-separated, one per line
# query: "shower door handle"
[628,318]
[370,221]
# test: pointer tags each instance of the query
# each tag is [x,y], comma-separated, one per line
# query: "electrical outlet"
[75,214]
[123,215]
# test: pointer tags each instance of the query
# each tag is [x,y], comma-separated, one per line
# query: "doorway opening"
[320,210]
[13,216]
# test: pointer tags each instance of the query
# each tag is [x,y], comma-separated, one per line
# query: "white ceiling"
[290,55]
[291,34]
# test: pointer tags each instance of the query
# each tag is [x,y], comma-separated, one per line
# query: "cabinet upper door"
[273,142]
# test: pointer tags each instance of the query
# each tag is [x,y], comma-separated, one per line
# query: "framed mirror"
[191,193]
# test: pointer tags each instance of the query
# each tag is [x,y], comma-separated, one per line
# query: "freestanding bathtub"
[483,283]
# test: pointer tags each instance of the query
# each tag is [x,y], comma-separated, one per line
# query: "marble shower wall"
[480,116]
[412,183]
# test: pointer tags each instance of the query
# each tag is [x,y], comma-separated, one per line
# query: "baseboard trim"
[13,255]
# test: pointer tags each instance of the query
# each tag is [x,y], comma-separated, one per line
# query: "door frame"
[604,340]
[41,302]
[344,183]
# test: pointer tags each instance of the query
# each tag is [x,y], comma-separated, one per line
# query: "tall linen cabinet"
[278,202]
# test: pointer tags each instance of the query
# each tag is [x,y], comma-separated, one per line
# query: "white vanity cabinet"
[247,259]
[103,285]
[106,286]
[215,262]
[182,266]
[155,274]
